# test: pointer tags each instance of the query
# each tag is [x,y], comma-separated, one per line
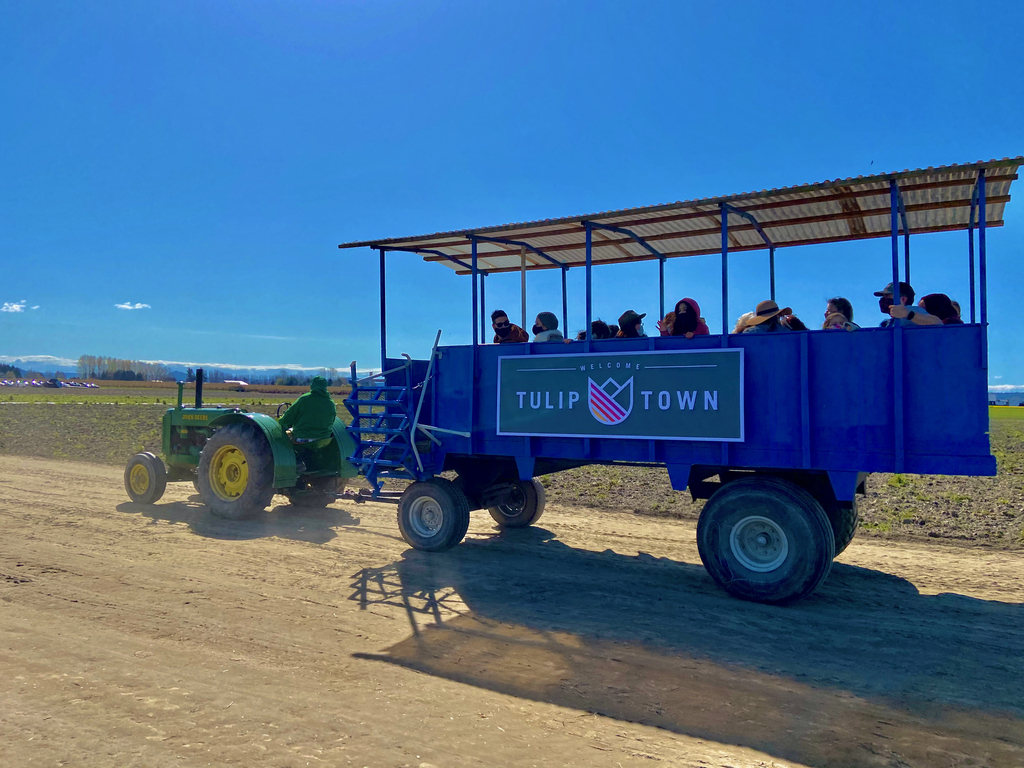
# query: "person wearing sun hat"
[768,318]
[631,325]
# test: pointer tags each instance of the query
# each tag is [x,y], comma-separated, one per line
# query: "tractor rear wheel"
[765,539]
[433,515]
[523,505]
[236,472]
[316,492]
[145,478]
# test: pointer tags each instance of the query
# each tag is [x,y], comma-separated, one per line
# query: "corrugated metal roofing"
[936,200]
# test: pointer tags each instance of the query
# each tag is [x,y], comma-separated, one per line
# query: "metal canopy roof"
[935,200]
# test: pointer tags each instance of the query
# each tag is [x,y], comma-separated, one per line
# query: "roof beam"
[710,231]
[756,247]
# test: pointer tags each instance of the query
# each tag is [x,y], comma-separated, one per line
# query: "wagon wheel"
[765,539]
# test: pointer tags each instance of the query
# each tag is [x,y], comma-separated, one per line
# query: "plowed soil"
[156,635]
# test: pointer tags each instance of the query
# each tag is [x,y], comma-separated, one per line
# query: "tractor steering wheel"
[284,406]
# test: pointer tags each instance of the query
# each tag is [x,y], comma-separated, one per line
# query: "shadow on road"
[867,672]
[283,521]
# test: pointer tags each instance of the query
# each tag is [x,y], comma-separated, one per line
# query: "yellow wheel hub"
[229,473]
[138,478]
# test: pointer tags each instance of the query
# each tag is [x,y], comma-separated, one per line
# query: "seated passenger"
[768,318]
[939,305]
[613,331]
[545,328]
[837,322]
[956,306]
[744,322]
[794,323]
[903,313]
[841,306]
[506,332]
[685,320]
[598,330]
[631,325]
[312,415]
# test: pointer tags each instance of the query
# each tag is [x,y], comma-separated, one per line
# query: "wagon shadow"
[866,672]
[316,526]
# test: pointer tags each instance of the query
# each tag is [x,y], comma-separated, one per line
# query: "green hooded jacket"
[312,415]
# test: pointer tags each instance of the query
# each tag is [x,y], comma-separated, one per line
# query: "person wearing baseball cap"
[768,318]
[904,313]
[631,325]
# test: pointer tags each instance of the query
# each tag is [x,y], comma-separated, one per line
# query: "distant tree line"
[6,368]
[116,369]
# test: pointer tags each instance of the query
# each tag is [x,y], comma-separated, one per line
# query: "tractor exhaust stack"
[199,387]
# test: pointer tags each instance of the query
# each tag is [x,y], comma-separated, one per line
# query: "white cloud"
[13,306]
[49,360]
[35,307]
[129,305]
[997,377]
[1006,387]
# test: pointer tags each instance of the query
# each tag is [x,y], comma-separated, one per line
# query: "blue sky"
[205,159]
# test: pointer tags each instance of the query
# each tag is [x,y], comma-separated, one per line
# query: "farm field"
[974,511]
[155,635]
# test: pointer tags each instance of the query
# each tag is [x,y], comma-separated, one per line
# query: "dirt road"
[156,635]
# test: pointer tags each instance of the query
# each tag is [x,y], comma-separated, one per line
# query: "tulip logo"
[610,403]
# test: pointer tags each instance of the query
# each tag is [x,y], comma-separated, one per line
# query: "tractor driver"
[312,415]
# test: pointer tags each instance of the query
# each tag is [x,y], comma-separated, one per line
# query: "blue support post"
[483,307]
[983,267]
[474,272]
[771,271]
[725,270]
[970,247]
[906,235]
[661,287]
[897,331]
[565,305]
[590,236]
[383,315]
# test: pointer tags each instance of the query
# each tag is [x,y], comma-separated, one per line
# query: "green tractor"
[238,460]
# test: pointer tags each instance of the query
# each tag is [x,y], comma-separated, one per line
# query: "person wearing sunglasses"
[506,332]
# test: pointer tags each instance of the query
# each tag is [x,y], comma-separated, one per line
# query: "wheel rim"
[229,473]
[516,503]
[759,543]
[425,517]
[138,478]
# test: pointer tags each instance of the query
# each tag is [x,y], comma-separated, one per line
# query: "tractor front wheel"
[236,472]
[145,478]
[433,515]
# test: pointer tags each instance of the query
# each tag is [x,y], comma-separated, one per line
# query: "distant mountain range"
[50,366]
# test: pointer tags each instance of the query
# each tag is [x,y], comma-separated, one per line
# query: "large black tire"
[765,539]
[844,516]
[145,478]
[433,515]
[316,492]
[523,507]
[236,472]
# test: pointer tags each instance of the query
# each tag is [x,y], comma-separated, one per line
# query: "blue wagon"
[757,424]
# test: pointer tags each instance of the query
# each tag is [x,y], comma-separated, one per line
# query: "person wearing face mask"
[506,332]
[545,328]
[684,320]
[631,325]
[904,313]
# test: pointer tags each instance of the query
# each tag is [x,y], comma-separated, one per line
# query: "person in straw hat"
[768,318]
